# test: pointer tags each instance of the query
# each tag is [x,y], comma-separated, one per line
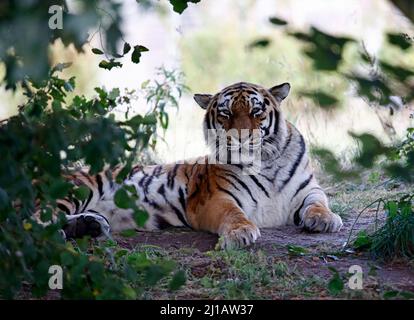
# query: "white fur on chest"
[270,212]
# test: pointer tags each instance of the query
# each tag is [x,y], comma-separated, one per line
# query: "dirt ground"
[294,264]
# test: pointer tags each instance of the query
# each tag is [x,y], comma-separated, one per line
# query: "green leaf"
[129,292]
[335,284]
[104,64]
[142,48]
[140,217]
[122,199]
[68,85]
[407,294]
[97,51]
[400,40]
[259,43]
[150,119]
[4,199]
[398,72]
[128,233]
[115,92]
[127,47]
[363,241]
[390,294]
[59,189]
[178,280]
[81,192]
[61,66]
[324,49]
[371,149]
[296,250]
[66,258]
[392,208]
[180,5]
[136,54]
[277,21]
[322,99]
[154,273]
[164,120]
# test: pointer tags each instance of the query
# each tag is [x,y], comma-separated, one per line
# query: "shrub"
[47,137]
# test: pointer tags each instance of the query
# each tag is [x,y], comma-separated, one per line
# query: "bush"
[395,238]
[48,137]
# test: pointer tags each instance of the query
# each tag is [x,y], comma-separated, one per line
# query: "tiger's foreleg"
[226,219]
[314,214]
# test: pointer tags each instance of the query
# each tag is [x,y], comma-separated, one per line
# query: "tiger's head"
[247,114]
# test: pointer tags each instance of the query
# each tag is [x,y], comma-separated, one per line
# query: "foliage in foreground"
[47,137]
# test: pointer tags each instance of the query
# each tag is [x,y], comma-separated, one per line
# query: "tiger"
[213,196]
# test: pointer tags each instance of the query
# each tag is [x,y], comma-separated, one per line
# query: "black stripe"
[181,198]
[100,185]
[303,185]
[186,176]
[141,182]
[86,176]
[267,178]
[229,92]
[161,222]
[245,187]
[277,122]
[259,185]
[161,191]
[64,208]
[208,120]
[267,129]
[171,176]
[152,203]
[179,214]
[88,200]
[148,181]
[206,178]
[229,193]
[76,202]
[213,118]
[195,192]
[289,139]
[251,91]
[296,217]
[295,164]
[229,182]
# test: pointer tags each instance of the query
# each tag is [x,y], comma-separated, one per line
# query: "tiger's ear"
[203,100]
[280,91]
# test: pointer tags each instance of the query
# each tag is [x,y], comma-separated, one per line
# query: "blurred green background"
[212,45]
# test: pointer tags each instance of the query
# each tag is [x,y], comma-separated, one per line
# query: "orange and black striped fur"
[218,197]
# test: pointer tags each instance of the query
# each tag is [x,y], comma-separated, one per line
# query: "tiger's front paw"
[239,237]
[320,219]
